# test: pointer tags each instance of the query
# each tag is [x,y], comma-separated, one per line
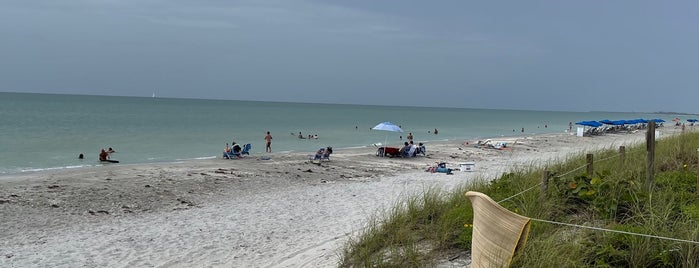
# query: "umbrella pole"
[385,140]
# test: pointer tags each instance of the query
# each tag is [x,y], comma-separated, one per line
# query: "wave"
[50,168]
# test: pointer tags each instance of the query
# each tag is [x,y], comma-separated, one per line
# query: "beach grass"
[423,230]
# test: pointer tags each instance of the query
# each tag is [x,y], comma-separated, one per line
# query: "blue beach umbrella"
[387,126]
[631,121]
[589,123]
[692,120]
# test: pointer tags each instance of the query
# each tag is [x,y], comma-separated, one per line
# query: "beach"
[286,211]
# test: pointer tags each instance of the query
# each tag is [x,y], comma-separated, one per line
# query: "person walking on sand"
[268,147]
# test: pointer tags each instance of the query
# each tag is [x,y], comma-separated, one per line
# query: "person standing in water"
[268,138]
[104,156]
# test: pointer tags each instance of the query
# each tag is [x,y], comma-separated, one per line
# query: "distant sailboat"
[153,94]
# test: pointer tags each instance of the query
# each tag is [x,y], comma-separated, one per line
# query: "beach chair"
[232,155]
[246,149]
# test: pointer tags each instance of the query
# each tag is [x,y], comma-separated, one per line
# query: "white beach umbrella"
[387,126]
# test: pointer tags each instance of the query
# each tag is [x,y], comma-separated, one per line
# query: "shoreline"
[282,212]
[97,164]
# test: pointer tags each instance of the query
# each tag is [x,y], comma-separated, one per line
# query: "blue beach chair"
[246,149]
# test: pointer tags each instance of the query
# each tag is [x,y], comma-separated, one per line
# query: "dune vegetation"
[424,230]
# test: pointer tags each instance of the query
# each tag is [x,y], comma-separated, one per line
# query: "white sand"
[283,212]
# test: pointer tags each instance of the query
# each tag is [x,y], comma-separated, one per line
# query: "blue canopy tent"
[618,125]
[614,122]
[637,121]
[593,124]
[589,123]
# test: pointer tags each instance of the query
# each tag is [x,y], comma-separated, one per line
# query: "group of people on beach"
[236,149]
[323,153]
[409,149]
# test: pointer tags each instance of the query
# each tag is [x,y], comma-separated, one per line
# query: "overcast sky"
[535,55]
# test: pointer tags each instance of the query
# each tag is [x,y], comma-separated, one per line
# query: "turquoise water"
[44,131]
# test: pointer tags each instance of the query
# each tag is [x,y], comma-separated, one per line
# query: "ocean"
[46,131]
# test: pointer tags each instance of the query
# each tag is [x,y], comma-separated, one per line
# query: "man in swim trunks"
[268,138]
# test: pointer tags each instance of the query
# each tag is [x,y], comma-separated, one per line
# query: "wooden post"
[622,155]
[590,166]
[545,185]
[650,154]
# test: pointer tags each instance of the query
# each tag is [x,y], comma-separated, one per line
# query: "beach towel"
[497,232]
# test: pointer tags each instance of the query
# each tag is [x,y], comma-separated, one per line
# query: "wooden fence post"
[650,154]
[622,155]
[590,166]
[545,185]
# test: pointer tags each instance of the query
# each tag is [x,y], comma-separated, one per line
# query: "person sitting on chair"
[235,149]
[226,151]
[412,150]
[404,150]
[323,153]
[319,153]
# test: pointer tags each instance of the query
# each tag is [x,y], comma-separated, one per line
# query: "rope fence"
[617,231]
[622,153]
